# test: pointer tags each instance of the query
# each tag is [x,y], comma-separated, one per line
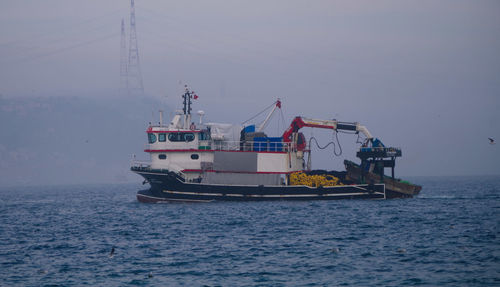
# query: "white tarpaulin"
[228,134]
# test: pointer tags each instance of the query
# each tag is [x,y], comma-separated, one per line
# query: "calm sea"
[63,235]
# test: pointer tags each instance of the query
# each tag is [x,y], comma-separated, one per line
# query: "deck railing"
[257,146]
[140,164]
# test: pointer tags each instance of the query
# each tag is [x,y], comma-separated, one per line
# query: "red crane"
[300,122]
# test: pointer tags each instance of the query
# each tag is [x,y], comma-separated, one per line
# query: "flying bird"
[492,141]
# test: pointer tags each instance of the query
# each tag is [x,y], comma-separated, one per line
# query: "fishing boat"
[207,162]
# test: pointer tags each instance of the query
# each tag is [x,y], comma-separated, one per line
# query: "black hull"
[168,187]
[394,188]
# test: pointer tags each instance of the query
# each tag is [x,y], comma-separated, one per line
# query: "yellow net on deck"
[317,180]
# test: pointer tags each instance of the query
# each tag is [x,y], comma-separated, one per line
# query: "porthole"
[162,156]
[195,156]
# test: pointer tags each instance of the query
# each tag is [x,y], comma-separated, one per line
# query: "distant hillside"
[64,140]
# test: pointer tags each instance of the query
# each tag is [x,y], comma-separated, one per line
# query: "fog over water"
[421,75]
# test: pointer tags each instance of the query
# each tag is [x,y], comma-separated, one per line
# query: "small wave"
[461,197]
[439,197]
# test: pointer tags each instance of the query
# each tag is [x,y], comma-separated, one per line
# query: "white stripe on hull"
[267,195]
[161,199]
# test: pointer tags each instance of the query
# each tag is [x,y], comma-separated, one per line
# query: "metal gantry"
[135,84]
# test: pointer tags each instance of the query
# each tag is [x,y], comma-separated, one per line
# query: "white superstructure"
[220,153]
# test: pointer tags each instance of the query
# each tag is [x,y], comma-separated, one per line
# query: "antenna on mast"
[186,110]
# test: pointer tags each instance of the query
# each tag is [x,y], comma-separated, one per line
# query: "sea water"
[63,235]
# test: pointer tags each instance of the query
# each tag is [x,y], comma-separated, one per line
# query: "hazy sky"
[422,75]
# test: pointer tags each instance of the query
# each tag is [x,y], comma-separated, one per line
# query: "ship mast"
[187,97]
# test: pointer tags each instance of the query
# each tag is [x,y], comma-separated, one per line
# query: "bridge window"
[162,156]
[189,137]
[204,136]
[181,137]
[151,138]
[174,137]
[195,156]
[162,137]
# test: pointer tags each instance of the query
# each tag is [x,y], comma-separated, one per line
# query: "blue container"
[275,144]
[249,129]
[259,144]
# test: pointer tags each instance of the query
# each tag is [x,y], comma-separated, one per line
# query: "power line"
[60,50]
[70,30]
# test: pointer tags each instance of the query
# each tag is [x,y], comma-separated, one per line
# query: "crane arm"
[300,122]
[264,123]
